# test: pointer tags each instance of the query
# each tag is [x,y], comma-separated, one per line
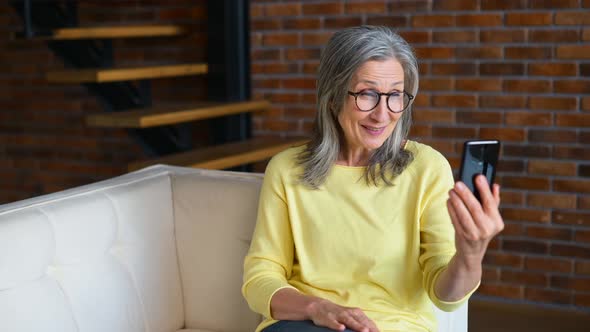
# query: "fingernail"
[460,186]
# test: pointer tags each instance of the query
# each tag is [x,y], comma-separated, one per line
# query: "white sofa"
[159,249]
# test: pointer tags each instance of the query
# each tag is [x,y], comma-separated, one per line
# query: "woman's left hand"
[475,224]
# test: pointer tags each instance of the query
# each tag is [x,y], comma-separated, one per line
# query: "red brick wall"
[516,70]
[44,143]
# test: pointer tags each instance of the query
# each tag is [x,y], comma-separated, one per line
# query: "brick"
[453,132]
[577,283]
[425,21]
[401,6]
[500,69]
[560,201]
[422,100]
[502,36]
[551,167]
[455,5]
[272,24]
[549,264]
[421,131]
[341,22]
[535,151]
[553,4]
[582,300]
[302,54]
[572,18]
[586,35]
[573,51]
[503,4]
[503,259]
[365,7]
[283,98]
[416,37]
[584,202]
[479,117]
[529,18]
[266,83]
[433,116]
[485,52]
[311,67]
[519,214]
[586,104]
[503,134]
[324,8]
[526,183]
[568,152]
[478,84]
[555,136]
[436,84]
[535,86]
[524,278]
[583,268]
[572,120]
[582,236]
[584,170]
[434,52]
[570,250]
[491,101]
[454,101]
[525,246]
[550,233]
[554,36]
[462,36]
[455,69]
[282,9]
[302,23]
[273,68]
[298,83]
[280,39]
[390,21]
[528,119]
[548,296]
[575,186]
[553,103]
[571,218]
[553,69]
[489,275]
[479,20]
[527,52]
[511,197]
[300,112]
[572,86]
[502,291]
[512,166]
[316,38]
[584,69]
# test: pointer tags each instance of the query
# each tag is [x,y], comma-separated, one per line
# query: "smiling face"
[366,131]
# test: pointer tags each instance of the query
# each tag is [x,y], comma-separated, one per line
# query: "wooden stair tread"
[108,32]
[173,114]
[125,74]
[225,155]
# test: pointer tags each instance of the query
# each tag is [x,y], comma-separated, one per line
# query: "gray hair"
[345,52]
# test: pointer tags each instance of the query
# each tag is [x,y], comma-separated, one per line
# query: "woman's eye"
[368,93]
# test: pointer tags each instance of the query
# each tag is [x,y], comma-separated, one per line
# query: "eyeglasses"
[367,100]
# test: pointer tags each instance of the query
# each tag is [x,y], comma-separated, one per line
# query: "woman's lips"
[374,131]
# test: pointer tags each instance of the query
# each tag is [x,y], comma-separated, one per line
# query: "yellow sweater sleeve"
[437,232]
[268,264]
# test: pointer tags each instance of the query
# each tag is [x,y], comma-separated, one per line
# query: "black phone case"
[479,157]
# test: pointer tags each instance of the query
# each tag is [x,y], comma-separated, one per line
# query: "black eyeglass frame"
[356,94]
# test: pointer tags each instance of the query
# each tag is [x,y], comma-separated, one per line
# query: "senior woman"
[361,229]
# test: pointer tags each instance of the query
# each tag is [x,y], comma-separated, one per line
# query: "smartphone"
[479,157]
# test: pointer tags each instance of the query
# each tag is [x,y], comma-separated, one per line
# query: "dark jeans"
[297,326]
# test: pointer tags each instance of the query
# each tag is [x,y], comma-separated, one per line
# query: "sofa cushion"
[215,214]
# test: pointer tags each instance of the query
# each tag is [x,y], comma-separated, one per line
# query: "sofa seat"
[158,250]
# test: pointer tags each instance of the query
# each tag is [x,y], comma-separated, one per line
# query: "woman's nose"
[380,113]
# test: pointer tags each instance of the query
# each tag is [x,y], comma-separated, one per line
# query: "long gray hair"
[345,52]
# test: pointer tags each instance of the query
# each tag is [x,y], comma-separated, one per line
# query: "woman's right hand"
[325,313]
